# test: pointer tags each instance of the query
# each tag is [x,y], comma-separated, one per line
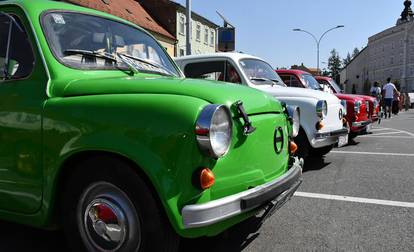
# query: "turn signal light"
[207,178]
[319,125]
[293,147]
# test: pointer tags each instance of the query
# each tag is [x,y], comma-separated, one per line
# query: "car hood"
[286,92]
[214,92]
[349,97]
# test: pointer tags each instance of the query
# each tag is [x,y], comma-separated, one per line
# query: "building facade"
[132,11]
[172,16]
[389,54]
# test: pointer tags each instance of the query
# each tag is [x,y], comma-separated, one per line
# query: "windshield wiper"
[265,79]
[96,54]
[148,62]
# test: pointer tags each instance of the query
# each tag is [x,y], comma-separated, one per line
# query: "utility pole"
[189,30]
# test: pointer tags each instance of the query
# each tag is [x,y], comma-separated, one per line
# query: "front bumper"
[335,133]
[200,215]
[361,124]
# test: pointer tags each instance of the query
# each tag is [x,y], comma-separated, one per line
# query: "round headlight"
[294,115]
[344,105]
[367,106]
[321,109]
[214,130]
[357,107]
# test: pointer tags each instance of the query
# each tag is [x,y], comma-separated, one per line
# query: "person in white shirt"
[389,90]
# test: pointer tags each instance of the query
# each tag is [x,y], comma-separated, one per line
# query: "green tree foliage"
[347,60]
[334,64]
[355,52]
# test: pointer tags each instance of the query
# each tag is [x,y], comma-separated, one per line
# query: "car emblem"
[278,138]
[341,114]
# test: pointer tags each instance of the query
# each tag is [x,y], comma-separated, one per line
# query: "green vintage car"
[103,136]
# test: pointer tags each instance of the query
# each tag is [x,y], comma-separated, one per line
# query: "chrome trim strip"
[361,124]
[200,215]
[335,133]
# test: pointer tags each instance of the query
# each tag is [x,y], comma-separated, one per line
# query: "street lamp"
[318,41]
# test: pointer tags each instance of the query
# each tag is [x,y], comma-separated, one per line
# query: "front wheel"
[108,207]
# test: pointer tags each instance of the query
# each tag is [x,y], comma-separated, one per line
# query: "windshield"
[260,72]
[335,86]
[88,42]
[311,82]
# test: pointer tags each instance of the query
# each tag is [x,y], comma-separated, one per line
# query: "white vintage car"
[321,114]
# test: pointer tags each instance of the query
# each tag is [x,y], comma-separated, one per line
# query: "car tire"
[319,152]
[303,144]
[107,206]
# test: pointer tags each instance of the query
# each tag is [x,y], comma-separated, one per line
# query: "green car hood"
[254,101]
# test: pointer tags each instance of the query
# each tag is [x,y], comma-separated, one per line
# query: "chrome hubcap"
[108,220]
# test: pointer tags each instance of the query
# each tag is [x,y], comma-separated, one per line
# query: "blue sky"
[264,27]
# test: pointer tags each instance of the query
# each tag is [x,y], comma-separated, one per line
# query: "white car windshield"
[260,72]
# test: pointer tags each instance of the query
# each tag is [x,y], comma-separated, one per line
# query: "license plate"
[342,141]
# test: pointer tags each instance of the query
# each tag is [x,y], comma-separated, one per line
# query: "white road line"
[380,129]
[397,137]
[374,153]
[355,199]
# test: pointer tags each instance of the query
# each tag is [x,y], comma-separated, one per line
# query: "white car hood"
[286,92]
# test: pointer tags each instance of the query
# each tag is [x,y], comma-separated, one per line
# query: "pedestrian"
[376,91]
[389,90]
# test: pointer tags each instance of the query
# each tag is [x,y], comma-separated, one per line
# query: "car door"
[22,94]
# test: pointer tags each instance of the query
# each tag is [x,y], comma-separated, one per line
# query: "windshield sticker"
[58,19]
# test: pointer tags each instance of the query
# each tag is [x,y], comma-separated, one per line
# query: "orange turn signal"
[206,178]
[293,147]
[319,125]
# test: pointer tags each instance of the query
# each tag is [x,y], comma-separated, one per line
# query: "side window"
[295,82]
[286,79]
[211,70]
[16,54]
[232,74]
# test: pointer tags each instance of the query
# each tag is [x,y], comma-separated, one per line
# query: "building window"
[212,38]
[206,36]
[182,53]
[392,60]
[198,32]
[182,25]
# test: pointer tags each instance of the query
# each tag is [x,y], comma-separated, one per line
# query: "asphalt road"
[359,198]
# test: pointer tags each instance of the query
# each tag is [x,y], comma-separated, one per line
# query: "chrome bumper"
[205,214]
[336,133]
[361,124]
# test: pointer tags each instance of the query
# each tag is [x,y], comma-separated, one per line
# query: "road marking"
[388,133]
[380,129]
[355,199]
[374,153]
[399,137]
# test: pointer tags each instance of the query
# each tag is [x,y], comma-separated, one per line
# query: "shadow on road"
[314,164]
[233,240]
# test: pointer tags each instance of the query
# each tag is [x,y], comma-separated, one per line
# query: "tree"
[347,60]
[334,64]
[355,52]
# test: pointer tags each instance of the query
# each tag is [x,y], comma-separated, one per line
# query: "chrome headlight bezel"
[367,106]
[357,107]
[294,117]
[345,107]
[213,125]
[321,108]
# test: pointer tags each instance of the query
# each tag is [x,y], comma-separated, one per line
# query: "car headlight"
[357,107]
[214,130]
[375,104]
[367,106]
[321,109]
[294,116]
[344,104]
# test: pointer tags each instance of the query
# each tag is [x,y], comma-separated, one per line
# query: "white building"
[389,53]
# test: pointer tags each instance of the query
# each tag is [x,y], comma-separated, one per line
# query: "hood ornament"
[247,126]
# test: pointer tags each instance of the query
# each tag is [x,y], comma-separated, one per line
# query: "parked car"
[374,106]
[101,135]
[357,112]
[321,113]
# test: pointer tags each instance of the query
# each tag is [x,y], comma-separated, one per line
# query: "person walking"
[376,91]
[389,90]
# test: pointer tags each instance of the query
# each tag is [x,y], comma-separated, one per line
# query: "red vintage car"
[357,107]
[374,106]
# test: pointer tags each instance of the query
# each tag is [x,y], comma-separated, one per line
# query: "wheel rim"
[107,219]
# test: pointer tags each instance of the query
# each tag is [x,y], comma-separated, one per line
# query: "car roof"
[322,77]
[233,55]
[291,71]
